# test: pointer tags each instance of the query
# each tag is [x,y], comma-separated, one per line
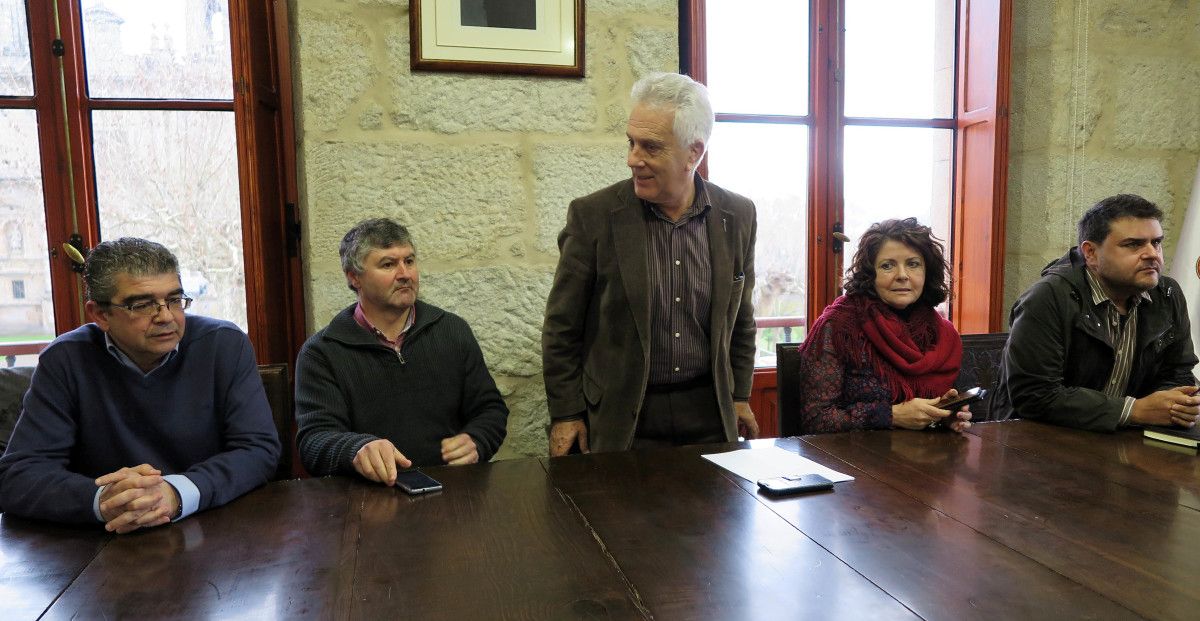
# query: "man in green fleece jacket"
[392,382]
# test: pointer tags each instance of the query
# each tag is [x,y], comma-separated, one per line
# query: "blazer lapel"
[629,240]
[720,222]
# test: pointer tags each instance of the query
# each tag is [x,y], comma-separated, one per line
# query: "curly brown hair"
[860,277]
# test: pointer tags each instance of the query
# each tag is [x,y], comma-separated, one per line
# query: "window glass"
[768,163]
[766,73]
[26,320]
[900,58]
[171,177]
[16,72]
[897,172]
[166,49]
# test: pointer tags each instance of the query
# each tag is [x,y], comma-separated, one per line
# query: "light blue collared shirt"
[189,494]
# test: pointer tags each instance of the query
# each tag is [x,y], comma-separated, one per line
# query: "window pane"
[16,72]
[769,164]
[744,45]
[27,318]
[897,172]
[172,177]
[900,58]
[167,49]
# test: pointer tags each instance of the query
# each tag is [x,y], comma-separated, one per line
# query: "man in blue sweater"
[132,421]
[392,381]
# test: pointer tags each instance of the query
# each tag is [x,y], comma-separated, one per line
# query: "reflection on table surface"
[1012,520]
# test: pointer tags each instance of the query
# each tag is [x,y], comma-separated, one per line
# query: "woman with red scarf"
[880,356]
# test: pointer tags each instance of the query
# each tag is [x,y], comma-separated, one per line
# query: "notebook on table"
[1174,435]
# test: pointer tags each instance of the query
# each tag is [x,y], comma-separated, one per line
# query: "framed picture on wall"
[541,37]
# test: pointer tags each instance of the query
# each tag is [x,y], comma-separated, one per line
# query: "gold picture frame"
[538,37]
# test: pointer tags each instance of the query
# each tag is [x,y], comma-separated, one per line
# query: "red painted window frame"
[981,151]
[263,120]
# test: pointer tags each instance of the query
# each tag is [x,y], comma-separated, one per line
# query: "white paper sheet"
[755,464]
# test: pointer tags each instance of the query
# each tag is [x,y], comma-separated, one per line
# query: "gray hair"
[368,235]
[687,97]
[128,255]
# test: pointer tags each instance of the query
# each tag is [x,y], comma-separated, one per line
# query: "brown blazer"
[595,339]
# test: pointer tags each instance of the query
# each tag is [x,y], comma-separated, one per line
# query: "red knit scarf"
[915,357]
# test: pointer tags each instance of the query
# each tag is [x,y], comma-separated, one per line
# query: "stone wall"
[480,167]
[1105,99]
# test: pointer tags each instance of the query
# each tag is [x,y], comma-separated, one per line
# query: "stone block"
[1039,213]
[1147,22]
[336,65]
[1021,271]
[1039,24]
[458,200]
[1085,103]
[327,294]
[616,116]
[1040,102]
[1157,103]
[527,419]
[1056,100]
[1102,175]
[453,103]
[504,306]
[664,8]
[564,172]
[371,117]
[605,60]
[653,49]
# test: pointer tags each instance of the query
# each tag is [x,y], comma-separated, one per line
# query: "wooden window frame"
[263,120]
[984,33]
[981,164]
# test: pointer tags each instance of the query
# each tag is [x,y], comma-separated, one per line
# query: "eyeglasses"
[149,308]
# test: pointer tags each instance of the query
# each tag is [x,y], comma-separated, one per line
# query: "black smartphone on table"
[417,482]
[966,397]
[794,484]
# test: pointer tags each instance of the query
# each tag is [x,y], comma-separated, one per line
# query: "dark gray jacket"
[1058,355]
[351,390]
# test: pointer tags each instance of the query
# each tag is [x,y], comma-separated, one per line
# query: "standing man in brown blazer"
[649,332]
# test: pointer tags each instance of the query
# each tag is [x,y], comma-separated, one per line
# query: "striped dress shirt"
[1122,334]
[680,273]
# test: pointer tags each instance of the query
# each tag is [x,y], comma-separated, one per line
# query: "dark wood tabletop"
[1012,520]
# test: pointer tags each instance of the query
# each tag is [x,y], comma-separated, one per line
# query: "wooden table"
[1013,520]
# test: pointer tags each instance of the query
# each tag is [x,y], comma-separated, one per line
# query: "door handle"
[839,237]
[75,251]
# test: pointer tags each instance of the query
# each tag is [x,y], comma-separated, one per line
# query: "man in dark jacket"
[392,381]
[1103,340]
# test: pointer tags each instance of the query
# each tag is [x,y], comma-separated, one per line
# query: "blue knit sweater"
[203,414]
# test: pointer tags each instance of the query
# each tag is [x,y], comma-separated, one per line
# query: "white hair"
[687,97]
